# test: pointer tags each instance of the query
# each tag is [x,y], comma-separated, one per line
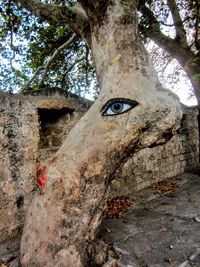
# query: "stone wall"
[32,128]
[19,136]
[158,163]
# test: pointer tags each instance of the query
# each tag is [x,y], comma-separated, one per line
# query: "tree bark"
[61,223]
[74,17]
[192,68]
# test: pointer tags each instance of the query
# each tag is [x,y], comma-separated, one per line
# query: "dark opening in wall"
[54,126]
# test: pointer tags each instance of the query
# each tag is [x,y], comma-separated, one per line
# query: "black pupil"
[117,107]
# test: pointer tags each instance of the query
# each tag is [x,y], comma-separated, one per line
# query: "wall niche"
[54,126]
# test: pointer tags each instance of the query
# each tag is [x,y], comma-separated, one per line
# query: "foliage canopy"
[27,43]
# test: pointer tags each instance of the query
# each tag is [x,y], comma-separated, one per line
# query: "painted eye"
[117,106]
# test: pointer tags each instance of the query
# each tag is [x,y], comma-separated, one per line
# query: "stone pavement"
[162,232]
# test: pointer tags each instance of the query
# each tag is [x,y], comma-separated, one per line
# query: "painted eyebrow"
[131,102]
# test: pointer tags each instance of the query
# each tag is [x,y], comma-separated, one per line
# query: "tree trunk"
[192,68]
[132,111]
[189,61]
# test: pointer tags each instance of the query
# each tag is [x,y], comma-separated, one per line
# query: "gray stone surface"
[162,232]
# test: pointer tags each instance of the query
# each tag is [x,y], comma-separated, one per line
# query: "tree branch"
[39,69]
[55,54]
[196,37]
[180,31]
[75,16]
[181,52]
[149,17]
[70,69]
[74,64]
[45,68]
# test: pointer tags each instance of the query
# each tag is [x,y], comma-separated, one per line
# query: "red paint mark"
[42,176]
[42,180]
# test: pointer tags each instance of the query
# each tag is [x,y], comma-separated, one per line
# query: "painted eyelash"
[121,100]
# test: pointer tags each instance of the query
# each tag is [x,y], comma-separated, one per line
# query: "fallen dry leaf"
[169,259]
[163,187]
[117,206]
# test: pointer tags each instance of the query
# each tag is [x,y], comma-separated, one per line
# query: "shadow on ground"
[159,232]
